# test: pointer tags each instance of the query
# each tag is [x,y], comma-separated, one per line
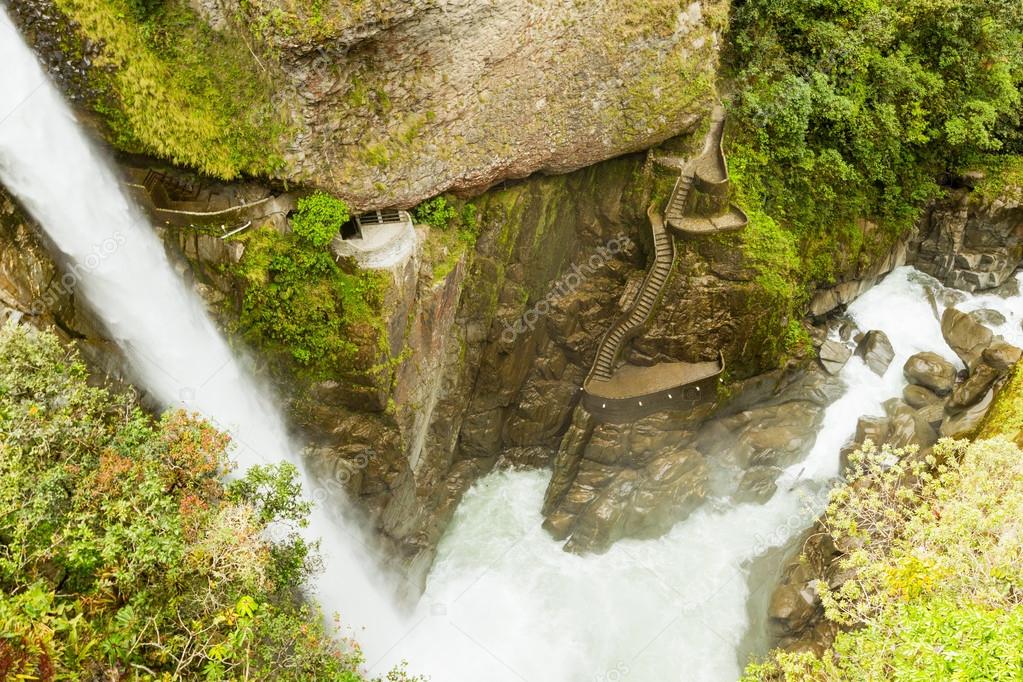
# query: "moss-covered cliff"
[477,92]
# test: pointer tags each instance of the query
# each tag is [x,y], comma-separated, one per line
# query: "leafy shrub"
[123,554]
[849,111]
[936,575]
[437,212]
[319,218]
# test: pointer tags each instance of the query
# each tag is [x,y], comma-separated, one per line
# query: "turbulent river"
[503,601]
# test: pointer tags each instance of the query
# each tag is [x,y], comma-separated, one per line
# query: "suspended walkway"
[178,202]
[699,206]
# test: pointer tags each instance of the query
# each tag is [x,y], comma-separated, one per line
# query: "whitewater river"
[503,602]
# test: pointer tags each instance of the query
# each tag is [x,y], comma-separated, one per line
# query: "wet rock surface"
[930,371]
[833,356]
[742,448]
[969,242]
[876,350]
[965,335]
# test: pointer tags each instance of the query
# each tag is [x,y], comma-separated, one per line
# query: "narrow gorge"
[555,341]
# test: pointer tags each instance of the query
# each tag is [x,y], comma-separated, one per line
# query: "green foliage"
[297,301]
[456,229]
[848,111]
[437,212]
[1003,177]
[934,564]
[1006,416]
[171,86]
[319,218]
[123,556]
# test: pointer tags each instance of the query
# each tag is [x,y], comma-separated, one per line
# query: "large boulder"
[414,97]
[967,337]
[973,389]
[833,356]
[876,350]
[931,371]
[1001,355]
[919,397]
[965,423]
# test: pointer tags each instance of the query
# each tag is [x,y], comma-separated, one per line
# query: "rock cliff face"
[34,287]
[398,101]
[971,243]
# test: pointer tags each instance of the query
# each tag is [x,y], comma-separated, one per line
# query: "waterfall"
[173,349]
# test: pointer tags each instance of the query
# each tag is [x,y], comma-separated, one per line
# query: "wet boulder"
[973,389]
[876,350]
[932,415]
[965,423]
[833,356]
[907,427]
[793,606]
[919,397]
[931,371]
[967,337]
[1001,355]
[758,484]
[988,317]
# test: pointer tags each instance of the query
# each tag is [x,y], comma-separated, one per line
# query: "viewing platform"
[635,392]
[178,202]
[699,206]
[700,202]
[377,240]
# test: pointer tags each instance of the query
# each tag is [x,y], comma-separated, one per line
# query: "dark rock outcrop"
[969,242]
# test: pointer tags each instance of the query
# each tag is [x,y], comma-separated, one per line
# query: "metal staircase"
[677,202]
[639,314]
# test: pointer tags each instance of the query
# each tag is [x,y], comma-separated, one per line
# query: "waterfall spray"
[172,347]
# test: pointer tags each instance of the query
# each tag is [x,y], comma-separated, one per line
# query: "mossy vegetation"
[1003,177]
[297,302]
[934,572]
[310,21]
[1006,416]
[170,86]
[454,230]
[845,116]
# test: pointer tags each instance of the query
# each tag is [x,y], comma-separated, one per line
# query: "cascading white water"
[172,347]
[505,603]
